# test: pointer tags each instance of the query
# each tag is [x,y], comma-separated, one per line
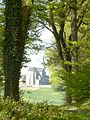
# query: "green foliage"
[86,105]
[54,15]
[11,110]
[75,49]
[56,75]
[79,83]
[55,69]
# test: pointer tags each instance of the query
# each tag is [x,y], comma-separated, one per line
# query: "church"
[36,74]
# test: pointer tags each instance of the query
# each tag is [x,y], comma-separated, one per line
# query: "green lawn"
[43,94]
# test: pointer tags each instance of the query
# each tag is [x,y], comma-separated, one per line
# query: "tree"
[1,40]
[73,48]
[55,17]
[15,33]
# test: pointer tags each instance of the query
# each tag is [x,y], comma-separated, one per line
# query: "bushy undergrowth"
[11,110]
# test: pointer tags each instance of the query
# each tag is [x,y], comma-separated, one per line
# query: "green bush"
[79,83]
[11,110]
[55,78]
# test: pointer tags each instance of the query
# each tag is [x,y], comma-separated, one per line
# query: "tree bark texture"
[16,26]
[74,28]
[63,52]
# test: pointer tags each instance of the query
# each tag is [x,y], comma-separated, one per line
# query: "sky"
[46,36]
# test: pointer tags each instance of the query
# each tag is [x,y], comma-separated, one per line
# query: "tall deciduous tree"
[55,17]
[72,48]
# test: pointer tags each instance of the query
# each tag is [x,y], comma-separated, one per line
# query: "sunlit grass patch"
[44,94]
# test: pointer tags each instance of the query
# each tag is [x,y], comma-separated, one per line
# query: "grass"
[43,94]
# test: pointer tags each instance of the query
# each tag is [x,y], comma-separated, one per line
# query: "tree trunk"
[73,37]
[16,26]
[63,52]
[74,28]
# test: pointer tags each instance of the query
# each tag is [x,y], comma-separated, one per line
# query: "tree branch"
[45,25]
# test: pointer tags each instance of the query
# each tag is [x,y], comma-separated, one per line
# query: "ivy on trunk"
[15,34]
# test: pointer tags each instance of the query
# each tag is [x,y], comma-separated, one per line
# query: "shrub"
[79,83]
[11,110]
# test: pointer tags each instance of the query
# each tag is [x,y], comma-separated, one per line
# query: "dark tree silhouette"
[16,26]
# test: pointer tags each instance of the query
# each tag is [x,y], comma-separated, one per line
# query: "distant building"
[35,76]
[36,72]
